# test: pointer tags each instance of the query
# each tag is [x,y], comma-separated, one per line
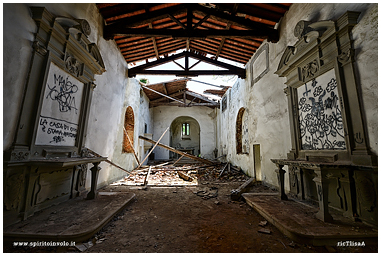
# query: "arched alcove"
[185,136]
[128,129]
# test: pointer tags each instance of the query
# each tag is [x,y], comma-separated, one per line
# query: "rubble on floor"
[185,174]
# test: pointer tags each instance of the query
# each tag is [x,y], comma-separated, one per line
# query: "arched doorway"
[128,129]
[185,136]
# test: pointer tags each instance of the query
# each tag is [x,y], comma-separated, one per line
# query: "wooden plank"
[153,147]
[108,161]
[178,160]
[132,146]
[177,151]
[223,169]
[145,87]
[153,166]
[147,177]
[236,193]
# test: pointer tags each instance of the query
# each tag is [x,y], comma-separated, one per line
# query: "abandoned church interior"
[289,142]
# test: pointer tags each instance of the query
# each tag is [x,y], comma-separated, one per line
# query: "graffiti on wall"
[59,117]
[320,118]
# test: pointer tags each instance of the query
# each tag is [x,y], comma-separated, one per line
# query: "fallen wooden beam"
[223,169]
[153,147]
[236,193]
[132,146]
[153,166]
[177,151]
[178,160]
[146,178]
[184,176]
[108,161]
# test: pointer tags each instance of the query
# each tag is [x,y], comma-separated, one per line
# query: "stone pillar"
[94,180]
[280,174]
[322,192]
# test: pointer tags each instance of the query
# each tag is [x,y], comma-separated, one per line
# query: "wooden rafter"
[233,31]
[234,10]
[125,26]
[152,38]
[170,95]
[230,69]
[193,34]
[206,104]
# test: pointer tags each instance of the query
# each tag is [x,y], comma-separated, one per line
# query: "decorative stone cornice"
[39,48]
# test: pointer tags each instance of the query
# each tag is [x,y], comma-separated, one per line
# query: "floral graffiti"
[320,119]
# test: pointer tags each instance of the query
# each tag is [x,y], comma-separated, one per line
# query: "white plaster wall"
[365,36]
[266,102]
[17,52]
[206,117]
[113,94]
[112,116]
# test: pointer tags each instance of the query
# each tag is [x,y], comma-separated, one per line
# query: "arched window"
[242,141]
[129,121]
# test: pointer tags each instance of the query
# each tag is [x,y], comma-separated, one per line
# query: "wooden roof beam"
[195,34]
[146,18]
[177,21]
[145,87]
[179,73]
[170,95]
[234,10]
[201,21]
[152,104]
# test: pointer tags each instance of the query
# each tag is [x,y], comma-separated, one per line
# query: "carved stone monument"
[46,163]
[330,160]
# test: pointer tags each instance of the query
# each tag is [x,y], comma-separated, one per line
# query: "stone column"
[280,174]
[322,192]
[94,180]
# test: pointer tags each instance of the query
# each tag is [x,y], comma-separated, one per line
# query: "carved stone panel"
[53,185]
[260,64]
[13,188]
[320,118]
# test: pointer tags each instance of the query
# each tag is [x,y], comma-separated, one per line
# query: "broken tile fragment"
[264,231]
[263,223]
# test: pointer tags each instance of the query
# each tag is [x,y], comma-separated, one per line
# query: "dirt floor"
[192,219]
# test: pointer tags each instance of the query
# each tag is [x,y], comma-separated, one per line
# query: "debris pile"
[186,174]
[222,172]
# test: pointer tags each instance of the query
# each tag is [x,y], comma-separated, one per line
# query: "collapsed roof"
[175,93]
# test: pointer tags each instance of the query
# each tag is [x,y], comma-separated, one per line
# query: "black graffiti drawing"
[320,118]
[58,129]
[57,139]
[307,91]
[63,91]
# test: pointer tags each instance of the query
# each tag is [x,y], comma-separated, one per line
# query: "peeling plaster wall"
[163,116]
[114,92]
[266,103]
[130,96]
